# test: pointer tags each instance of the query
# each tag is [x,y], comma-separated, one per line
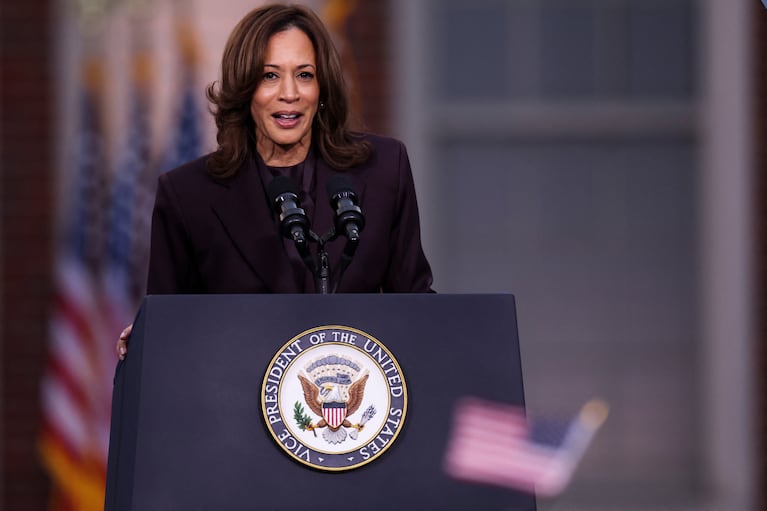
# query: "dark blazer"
[220,236]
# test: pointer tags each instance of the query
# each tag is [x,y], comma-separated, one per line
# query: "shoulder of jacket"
[190,181]
[189,170]
[380,142]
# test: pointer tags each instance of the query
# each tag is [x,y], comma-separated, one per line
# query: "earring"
[322,105]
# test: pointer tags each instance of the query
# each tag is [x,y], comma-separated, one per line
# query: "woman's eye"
[270,75]
[305,75]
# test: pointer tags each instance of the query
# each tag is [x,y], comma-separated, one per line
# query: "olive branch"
[302,420]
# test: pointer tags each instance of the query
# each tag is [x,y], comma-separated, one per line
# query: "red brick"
[26,207]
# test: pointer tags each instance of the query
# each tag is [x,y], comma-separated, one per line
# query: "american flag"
[123,278]
[494,443]
[187,138]
[184,144]
[101,274]
[186,141]
[76,385]
[95,299]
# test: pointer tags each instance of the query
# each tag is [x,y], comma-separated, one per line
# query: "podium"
[188,431]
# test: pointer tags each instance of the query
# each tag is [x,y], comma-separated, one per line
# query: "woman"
[281,108]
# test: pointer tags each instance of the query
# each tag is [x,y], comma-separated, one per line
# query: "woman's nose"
[289,90]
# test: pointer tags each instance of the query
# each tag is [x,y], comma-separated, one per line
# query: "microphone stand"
[321,277]
[324,280]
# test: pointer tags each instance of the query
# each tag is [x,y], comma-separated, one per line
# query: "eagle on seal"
[327,401]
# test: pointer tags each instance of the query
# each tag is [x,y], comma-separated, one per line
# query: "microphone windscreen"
[339,183]
[280,185]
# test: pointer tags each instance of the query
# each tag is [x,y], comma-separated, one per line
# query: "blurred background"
[599,159]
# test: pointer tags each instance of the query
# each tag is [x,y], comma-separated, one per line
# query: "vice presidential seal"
[334,398]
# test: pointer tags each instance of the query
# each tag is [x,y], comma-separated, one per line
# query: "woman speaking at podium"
[281,109]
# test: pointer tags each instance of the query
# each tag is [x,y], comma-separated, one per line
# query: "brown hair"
[241,72]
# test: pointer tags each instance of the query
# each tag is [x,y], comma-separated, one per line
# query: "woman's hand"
[122,342]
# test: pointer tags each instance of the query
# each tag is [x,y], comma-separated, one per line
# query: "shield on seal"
[334,413]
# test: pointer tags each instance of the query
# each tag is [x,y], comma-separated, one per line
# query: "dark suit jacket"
[220,236]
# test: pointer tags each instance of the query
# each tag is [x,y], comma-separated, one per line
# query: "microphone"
[349,218]
[283,195]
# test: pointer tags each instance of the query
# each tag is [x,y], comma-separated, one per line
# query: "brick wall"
[26,189]
[368,35]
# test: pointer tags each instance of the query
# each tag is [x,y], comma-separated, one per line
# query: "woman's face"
[286,100]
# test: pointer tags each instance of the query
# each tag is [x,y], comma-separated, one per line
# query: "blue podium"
[188,430]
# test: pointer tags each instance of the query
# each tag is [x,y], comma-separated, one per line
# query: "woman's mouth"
[287,119]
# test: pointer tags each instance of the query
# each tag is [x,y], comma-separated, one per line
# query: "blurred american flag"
[101,276]
[76,387]
[496,444]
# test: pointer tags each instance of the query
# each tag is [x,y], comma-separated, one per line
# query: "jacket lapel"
[244,212]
